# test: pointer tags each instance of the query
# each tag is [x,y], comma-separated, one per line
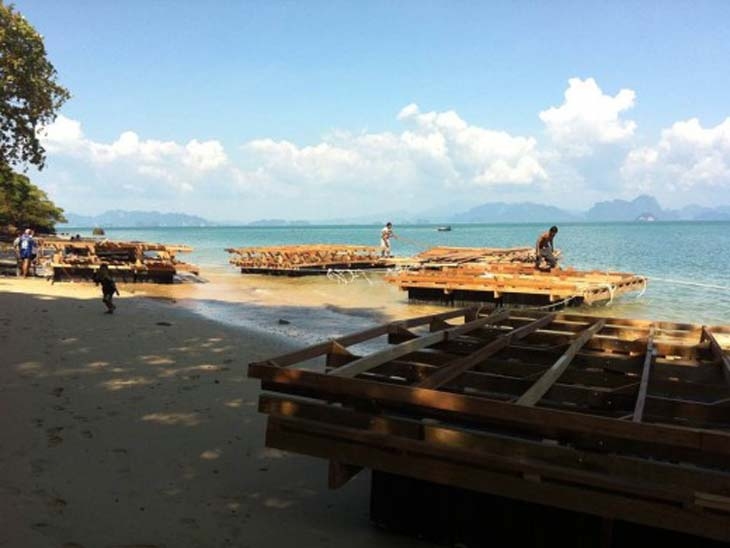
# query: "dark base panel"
[70,273]
[459,297]
[452,516]
[312,270]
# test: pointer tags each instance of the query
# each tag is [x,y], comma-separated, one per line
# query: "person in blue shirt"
[26,251]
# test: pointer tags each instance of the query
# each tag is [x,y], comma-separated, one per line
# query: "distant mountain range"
[525,212]
[119,218]
[642,208]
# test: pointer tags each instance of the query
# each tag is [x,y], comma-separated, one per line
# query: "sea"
[687,266]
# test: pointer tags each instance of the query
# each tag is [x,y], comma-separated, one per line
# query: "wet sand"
[140,429]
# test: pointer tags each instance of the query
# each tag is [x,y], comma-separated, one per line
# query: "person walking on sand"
[385,235]
[108,287]
[544,248]
[26,250]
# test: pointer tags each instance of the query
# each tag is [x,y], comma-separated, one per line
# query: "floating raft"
[628,420]
[300,260]
[135,261]
[520,284]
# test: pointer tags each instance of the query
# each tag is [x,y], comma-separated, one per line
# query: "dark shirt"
[108,287]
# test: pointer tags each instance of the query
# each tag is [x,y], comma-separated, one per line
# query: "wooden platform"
[128,261]
[627,420]
[443,256]
[515,283]
[298,260]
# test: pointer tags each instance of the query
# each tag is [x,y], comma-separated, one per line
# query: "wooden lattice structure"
[134,261]
[306,259]
[624,419]
[515,283]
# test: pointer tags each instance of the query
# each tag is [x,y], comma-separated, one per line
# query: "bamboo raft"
[135,261]
[627,420]
[516,284]
[294,260]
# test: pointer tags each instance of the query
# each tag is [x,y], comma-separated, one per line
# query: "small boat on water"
[446,228]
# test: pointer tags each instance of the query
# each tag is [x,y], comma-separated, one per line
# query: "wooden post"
[645,372]
[717,352]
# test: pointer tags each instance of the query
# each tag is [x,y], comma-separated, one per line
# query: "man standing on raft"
[544,248]
[385,235]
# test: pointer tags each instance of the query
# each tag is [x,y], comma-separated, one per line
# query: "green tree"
[22,205]
[29,93]
[29,100]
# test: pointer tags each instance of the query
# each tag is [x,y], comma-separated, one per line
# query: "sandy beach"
[140,429]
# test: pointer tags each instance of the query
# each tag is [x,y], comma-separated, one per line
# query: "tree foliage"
[29,93]
[24,205]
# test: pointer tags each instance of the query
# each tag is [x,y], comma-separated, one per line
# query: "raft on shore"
[64,259]
[623,421]
[299,260]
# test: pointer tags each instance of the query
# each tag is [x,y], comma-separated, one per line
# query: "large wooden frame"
[515,283]
[306,258]
[134,261]
[624,419]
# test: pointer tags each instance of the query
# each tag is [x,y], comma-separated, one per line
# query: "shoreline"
[141,429]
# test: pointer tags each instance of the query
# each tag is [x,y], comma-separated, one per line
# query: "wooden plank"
[361,365]
[292,435]
[668,475]
[543,384]
[645,372]
[314,351]
[549,422]
[717,352]
[338,355]
[449,372]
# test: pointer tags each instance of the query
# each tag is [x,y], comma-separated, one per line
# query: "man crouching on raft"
[544,248]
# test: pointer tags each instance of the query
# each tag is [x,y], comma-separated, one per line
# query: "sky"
[310,110]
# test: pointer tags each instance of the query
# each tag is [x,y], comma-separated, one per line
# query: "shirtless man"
[544,248]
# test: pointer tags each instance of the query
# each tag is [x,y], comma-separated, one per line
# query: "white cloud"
[436,150]
[686,156]
[62,136]
[588,117]
[178,166]
[204,156]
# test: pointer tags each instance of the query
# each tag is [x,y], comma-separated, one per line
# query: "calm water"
[688,264]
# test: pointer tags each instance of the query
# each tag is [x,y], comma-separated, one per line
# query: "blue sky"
[312,110]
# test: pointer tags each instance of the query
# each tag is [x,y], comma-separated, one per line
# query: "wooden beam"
[418,460]
[543,384]
[717,352]
[366,363]
[485,443]
[338,355]
[649,358]
[453,370]
[361,336]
